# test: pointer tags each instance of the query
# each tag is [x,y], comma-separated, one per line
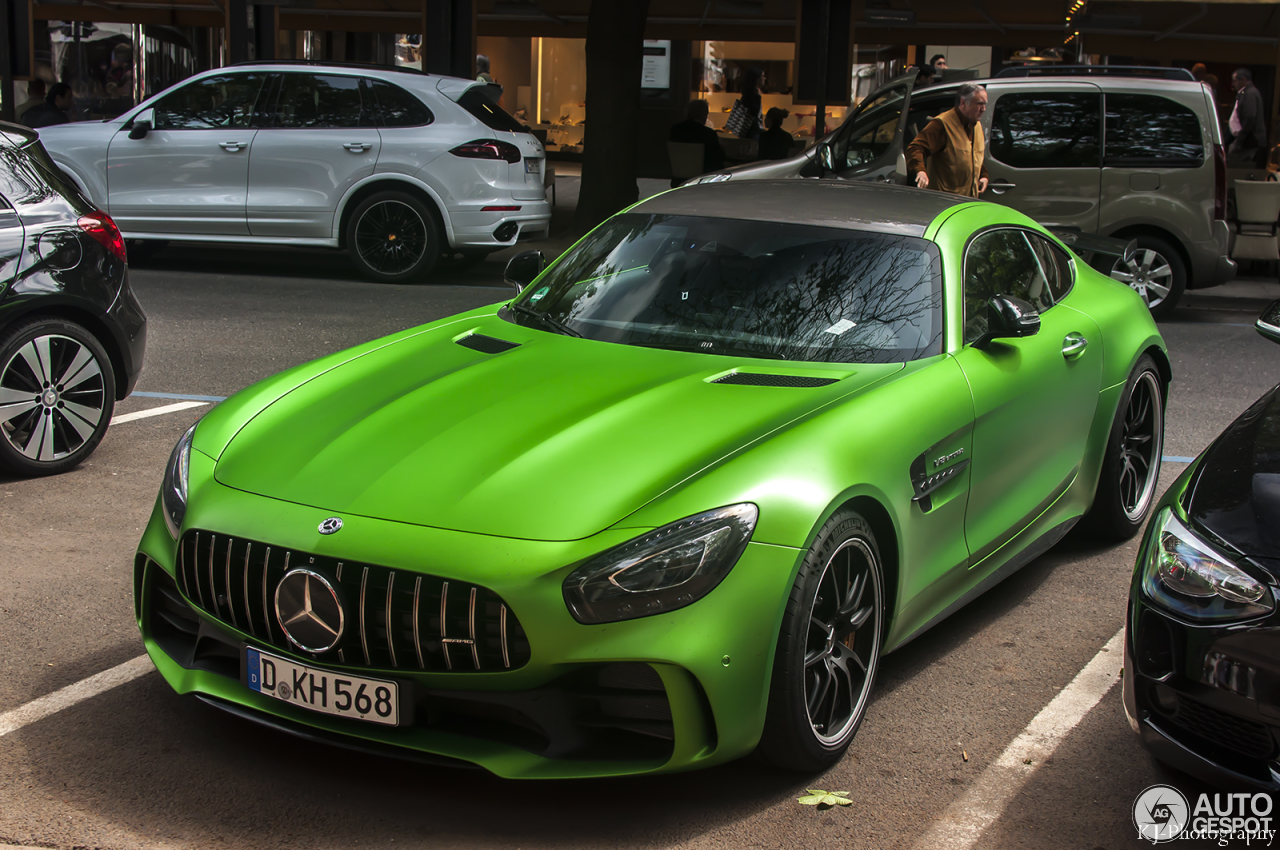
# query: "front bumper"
[1204,698]
[664,693]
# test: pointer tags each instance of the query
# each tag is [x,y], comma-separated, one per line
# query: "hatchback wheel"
[1156,272]
[828,649]
[57,392]
[1131,466]
[393,237]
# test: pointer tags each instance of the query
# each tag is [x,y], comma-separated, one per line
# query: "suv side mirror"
[523,268]
[1268,323]
[1130,250]
[1009,317]
[826,157]
[142,124]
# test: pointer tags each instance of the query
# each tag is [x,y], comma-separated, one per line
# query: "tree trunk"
[615,60]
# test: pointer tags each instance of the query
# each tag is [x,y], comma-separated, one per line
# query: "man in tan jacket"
[949,153]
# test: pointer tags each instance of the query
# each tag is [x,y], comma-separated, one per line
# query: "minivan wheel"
[57,392]
[393,238]
[1156,272]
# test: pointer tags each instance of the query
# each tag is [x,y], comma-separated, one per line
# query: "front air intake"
[752,379]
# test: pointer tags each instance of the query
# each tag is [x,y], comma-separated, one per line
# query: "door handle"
[1001,188]
[232,147]
[1073,345]
[358,147]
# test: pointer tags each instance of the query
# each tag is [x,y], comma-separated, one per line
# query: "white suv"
[396,166]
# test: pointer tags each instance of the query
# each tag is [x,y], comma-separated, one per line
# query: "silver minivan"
[1126,157]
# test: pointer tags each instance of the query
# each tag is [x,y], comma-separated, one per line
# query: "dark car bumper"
[128,325]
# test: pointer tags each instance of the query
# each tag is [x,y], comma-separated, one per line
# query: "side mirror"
[142,124]
[1009,317]
[1268,323]
[826,157]
[523,268]
[1130,250]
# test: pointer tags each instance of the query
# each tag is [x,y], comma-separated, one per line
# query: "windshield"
[759,289]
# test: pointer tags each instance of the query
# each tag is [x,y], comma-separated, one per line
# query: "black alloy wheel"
[828,649]
[1131,466]
[57,393]
[393,237]
[1156,272]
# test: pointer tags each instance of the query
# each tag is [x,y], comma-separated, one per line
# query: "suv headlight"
[173,491]
[1184,575]
[666,569]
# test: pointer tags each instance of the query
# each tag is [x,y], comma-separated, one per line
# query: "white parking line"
[156,411]
[38,709]
[965,820]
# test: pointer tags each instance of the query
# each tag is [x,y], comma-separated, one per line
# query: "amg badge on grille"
[309,611]
[331,525]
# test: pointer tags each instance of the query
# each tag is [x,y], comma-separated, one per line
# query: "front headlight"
[666,569]
[1184,575]
[173,491]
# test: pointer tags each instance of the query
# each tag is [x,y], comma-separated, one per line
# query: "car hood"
[555,439]
[1236,494]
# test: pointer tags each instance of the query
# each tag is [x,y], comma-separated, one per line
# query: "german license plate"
[531,166]
[325,691]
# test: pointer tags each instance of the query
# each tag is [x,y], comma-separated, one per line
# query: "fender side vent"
[487,344]
[752,379]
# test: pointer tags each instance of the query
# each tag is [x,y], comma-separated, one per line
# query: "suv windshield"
[759,289]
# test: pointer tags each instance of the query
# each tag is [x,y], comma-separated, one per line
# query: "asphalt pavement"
[136,766]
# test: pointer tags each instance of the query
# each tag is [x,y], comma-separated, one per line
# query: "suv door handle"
[1001,188]
[358,147]
[1074,345]
[232,147]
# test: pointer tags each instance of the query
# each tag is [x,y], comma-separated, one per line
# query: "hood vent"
[487,344]
[752,379]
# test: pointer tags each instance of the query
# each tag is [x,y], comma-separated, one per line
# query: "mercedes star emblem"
[309,611]
[330,525]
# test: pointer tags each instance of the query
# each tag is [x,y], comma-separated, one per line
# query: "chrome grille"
[396,620]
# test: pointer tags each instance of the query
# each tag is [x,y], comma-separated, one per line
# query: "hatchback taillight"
[104,231]
[488,149]
[1219,183]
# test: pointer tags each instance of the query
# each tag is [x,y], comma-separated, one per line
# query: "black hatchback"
[1202,652]
[72,334]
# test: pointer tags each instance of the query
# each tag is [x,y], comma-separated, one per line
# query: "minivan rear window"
[484,106]
[1149,130]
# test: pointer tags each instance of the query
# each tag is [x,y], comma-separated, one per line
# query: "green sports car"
[669,505]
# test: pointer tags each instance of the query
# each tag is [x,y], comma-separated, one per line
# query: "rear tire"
[393,237]
[1131,465]
[57,393]
[828,649]
[1157,273]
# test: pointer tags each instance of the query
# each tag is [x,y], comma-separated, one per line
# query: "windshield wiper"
[557,326]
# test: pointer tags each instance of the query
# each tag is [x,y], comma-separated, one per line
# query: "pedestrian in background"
[57,103]
[1249,134]
[925,76]
[752,82]
[939,63]
[482,69]
[775,142]
[693,130]
[35,97]
[950,152]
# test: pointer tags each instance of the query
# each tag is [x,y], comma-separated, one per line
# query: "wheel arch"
[87,319]
[382,183]
[886,532]
[1166,368]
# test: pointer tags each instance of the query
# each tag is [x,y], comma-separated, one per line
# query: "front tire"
[1131,466]
[828,649]
[393,237]
[1156,272]
[57,393]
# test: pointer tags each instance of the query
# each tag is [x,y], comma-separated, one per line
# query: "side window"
[1036,130]
[395,107]
[482,103]
[922,111]
[1148,130]
[214,103]
[869,132]
[1001,262]
[1054,264]
[314,101]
